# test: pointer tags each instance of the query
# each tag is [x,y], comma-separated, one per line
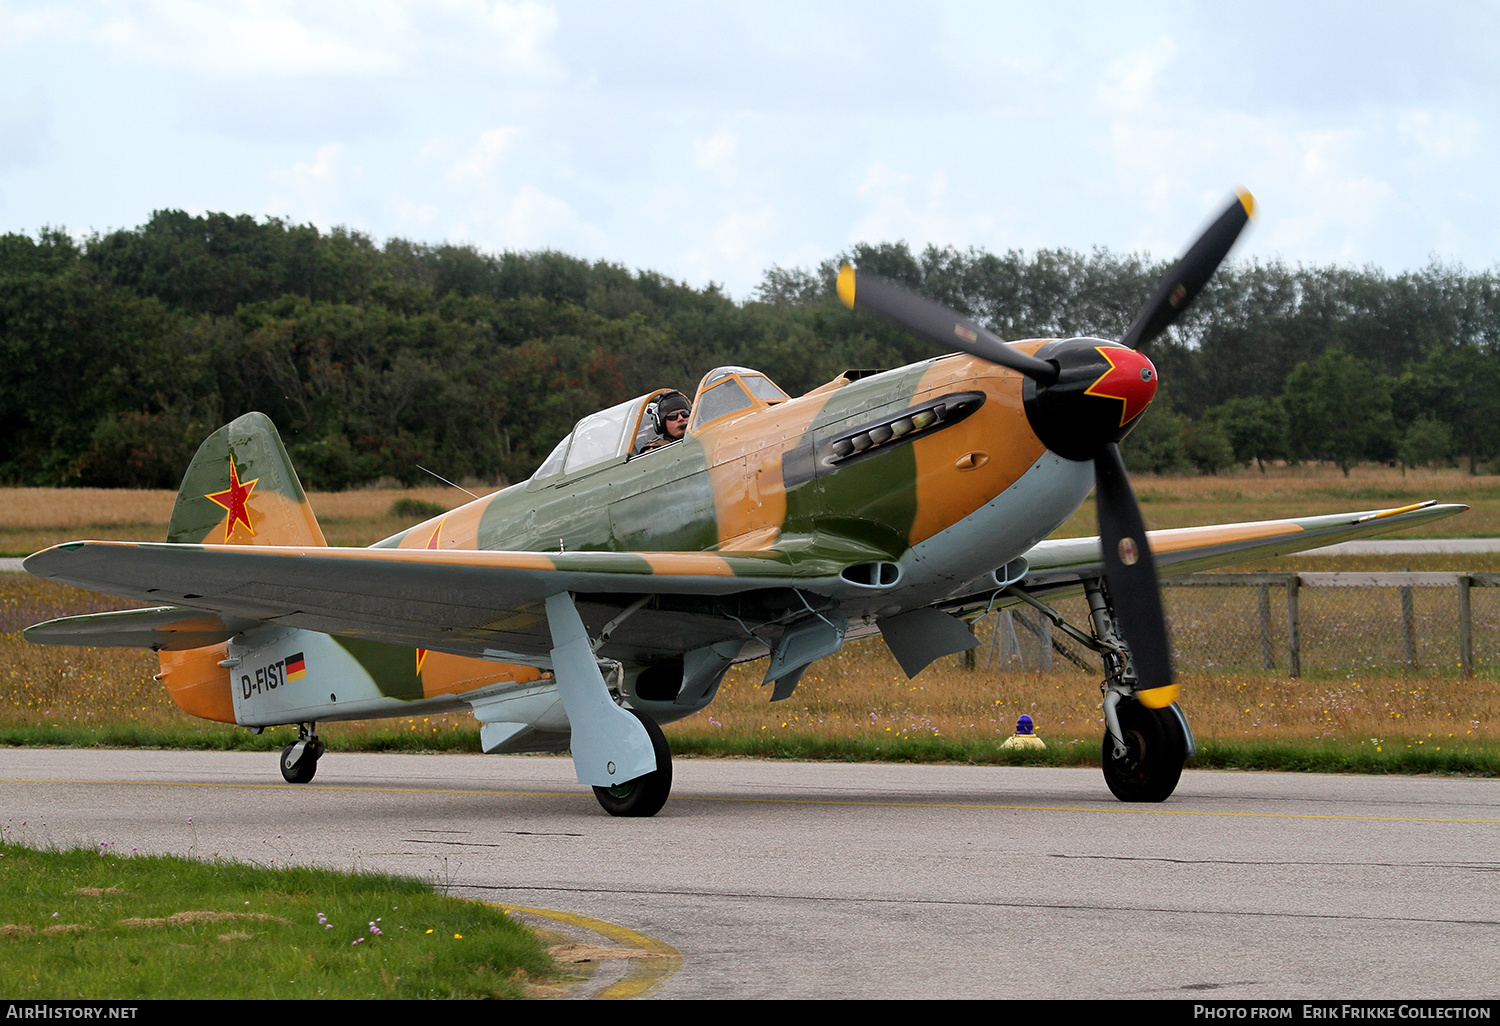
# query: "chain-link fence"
[1288,623]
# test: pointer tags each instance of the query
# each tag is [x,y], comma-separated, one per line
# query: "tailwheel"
[1156,746]
[643,796]
[299,760]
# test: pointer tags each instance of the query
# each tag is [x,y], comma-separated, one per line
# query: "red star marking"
[1131,379]
[432,543]
[234,499]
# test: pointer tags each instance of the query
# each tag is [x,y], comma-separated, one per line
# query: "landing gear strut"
[1155,749]
[299,760]
[643,796]
[1144,748]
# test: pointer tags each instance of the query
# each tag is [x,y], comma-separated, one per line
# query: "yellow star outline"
[235,499]
[432,543]
[1133,391]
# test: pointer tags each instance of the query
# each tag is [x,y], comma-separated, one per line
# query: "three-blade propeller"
[1072,373]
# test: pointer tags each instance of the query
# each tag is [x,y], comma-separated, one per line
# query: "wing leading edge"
[1065,562]
[460,601]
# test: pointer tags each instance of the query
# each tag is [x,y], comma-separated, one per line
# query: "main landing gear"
[617,751]
[643,796]
[1156,746]
[299,760]
[1144,749]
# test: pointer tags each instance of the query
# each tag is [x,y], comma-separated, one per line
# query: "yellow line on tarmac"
[1109,809]
[1118,809]
[646,974]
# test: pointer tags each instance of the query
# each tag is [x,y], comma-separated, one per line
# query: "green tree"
[1427,442]
[1339,408]
[1255,428]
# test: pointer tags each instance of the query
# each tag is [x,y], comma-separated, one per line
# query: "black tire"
[1156,750]
[303,771]
[643,796]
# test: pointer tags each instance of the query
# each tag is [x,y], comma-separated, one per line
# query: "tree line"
[120,352]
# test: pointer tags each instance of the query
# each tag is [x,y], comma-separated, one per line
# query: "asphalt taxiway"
[776,879]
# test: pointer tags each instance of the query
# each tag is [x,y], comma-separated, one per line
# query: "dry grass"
[862,693]
[32,519]
[1308,490]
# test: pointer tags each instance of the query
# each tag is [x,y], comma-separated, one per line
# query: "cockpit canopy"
[617,432]
[726,390]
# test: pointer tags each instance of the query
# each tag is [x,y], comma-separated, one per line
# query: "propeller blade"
[861,290]
[1186,278]
[1131,573]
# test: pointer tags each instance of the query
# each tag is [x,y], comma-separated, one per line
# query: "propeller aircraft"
[612,590]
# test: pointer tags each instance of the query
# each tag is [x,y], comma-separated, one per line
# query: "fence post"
[1408,628]
[1465,628]
[1267,657]
[1293,635]
[1044,644]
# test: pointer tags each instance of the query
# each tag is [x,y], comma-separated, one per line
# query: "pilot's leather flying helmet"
[670,402]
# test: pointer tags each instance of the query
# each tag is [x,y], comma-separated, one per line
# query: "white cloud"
[1439,136]
[479,163]
[25,125]
[414,214]
[308,38]
[717,153]
[258,37]
[898,208]
[318,190]
[1130,82]
[745,233]
[533,219]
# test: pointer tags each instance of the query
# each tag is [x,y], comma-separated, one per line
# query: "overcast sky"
[710,141]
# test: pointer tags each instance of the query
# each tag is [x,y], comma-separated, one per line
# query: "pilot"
[669,416]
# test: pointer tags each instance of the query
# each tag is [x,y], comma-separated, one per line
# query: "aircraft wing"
[475,603]
[1061,563]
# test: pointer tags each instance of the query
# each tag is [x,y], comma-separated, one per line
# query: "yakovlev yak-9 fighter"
[612,590]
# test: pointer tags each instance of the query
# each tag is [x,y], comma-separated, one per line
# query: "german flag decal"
[296,667]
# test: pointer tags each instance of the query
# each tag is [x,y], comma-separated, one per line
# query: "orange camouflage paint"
[197,683]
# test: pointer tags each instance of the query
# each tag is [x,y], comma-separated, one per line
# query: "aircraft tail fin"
[241,489]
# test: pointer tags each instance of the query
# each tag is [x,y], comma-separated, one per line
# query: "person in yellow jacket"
[1025,735]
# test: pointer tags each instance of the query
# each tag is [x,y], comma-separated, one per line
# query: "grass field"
[114,925]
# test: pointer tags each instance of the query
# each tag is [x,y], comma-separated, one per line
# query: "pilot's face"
[676,422]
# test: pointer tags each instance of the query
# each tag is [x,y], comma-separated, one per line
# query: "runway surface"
[830,880]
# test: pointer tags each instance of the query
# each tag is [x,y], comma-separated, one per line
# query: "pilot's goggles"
[678,415]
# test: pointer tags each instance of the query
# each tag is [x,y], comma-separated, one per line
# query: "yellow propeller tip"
[1158,698]
[1247,201]
[845,285]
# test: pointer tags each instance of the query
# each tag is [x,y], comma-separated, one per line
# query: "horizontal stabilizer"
[163,627]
